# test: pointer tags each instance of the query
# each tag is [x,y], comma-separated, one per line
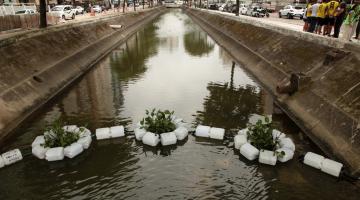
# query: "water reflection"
[196,41]
[127,62]
[229,106]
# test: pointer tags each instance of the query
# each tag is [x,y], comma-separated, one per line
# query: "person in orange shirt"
[332,6]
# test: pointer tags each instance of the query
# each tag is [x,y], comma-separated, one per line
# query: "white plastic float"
[324,164]
[55,154]
[217,133]
[12,156]
[85,138]
[202,131]
[151,139]
[168,138]
[39,151]
[117,131]
[73,150]
[331,167]
[287,143]
[102,133]
[139,133]
[267,157]
[181,133]
[288,154]
[249,151]
[277,134]
[107,133]
[240,140]
[58,153]
[313,160]
[38,140]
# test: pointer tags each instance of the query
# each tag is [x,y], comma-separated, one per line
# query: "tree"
[237,7]
[43,22]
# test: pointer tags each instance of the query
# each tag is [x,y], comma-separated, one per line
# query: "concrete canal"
[169,64]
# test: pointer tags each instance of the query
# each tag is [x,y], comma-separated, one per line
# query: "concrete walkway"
[282,23]
[82,18]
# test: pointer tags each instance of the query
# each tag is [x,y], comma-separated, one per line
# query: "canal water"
[169,64]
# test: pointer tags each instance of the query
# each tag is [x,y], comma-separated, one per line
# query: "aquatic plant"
[56,136]
[157,121]
[260,135]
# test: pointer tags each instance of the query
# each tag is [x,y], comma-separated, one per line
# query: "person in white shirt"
[313,19]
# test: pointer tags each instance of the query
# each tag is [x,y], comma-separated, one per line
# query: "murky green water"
[170,64]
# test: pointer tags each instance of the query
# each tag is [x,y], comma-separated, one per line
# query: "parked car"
[97,8]
[291,11]
[64,11]
[242,10]
[231,8]
[78,10]
[256,11]
[222,7]
[213,7]
[25,11]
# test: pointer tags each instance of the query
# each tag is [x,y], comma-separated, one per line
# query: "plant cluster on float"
[59,141]
[260,140]
[160,127]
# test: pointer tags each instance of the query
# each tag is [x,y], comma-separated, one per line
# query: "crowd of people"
[331,16]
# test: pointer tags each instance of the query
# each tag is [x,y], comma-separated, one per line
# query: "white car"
[97,8]
[291,11]
[64,12]
[221,8]
[25,11]
[78,10]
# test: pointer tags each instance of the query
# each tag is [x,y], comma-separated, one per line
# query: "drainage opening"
[37,79]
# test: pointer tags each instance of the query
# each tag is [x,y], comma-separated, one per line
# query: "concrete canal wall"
[328,108]
[35,66]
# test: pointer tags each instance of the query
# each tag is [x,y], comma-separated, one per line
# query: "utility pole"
[43,22]
[134,2]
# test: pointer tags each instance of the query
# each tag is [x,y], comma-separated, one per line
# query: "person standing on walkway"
[350,22]
[331,8]
[306,17]
[313,18]
[339,18]
[321,13]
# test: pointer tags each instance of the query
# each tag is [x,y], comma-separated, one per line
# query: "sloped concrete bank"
[328,108]
[36,66]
